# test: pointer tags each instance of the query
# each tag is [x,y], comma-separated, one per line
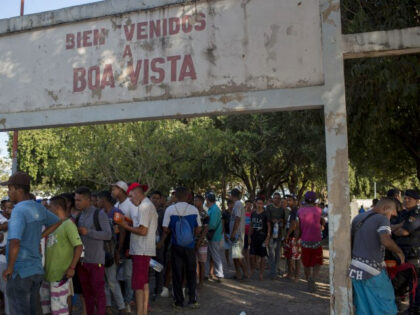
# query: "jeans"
[23,294]
[112,286]
[214,253]
[160,257]
[128,273]
[274,255]
[92,279]
[183,259]
[3,267]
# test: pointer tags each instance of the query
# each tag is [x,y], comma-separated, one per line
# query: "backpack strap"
[96,220]
[76,221]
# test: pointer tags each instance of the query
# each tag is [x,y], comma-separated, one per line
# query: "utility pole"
[16,132]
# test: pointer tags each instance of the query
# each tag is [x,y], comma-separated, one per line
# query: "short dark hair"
[26,188]
[258,199]
[392,192]
[277,194]
[248,201]
[181,193]
[106,195]
[83,191]
[229,201]
[58,201]
[200,197]
[156,192]
[235,193]
[69,197]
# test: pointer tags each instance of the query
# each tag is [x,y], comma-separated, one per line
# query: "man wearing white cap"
[119,192]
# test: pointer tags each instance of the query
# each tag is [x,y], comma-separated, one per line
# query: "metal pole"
[374,190]
[16,132]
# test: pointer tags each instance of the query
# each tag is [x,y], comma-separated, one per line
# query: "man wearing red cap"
[142,242]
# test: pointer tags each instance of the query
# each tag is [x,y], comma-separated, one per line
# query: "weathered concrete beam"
[382,43]
[79,13]
[231,103]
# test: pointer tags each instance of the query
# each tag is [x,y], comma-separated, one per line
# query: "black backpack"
[109,245]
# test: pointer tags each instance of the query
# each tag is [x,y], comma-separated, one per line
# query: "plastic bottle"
[156,265]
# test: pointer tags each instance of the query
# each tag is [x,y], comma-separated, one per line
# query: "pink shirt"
[310,223]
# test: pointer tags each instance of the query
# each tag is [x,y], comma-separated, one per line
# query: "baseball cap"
[134,185]
[293,196]
[412,193]
[210,196]
[122,185]
[310,196]
[18,178]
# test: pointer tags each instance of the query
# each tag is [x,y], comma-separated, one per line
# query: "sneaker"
[219,280]
[194,305]
[165,292]
[177,307]
[183,292]
[128,308]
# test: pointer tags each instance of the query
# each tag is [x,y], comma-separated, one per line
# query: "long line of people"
[121,247]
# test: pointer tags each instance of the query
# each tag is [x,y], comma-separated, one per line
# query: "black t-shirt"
[292,217]
[259,224]
[226,219]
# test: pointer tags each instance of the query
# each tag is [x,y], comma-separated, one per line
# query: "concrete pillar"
[337,158]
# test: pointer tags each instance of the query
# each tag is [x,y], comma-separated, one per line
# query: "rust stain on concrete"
[327,12]
[335,121]
[227,98]
[52,95]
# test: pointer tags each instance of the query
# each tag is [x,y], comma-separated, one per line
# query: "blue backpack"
[183,232]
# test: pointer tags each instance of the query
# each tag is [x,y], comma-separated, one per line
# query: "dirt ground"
[280,296]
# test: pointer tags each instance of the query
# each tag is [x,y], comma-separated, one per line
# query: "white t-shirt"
[146,215]
[126,206]
[2,244]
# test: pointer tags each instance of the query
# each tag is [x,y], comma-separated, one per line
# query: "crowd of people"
[129,245]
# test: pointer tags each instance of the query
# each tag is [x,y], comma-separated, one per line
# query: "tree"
[382,97]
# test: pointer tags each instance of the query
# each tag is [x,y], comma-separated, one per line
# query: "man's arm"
[235,228]
[141,230]
[165,234]
[4,226]
[104,235]
[51,229]
[389,244]
[77,252]
[14,247]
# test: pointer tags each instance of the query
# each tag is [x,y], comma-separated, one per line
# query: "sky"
[11,8]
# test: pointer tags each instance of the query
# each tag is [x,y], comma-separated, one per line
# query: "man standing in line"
[371,231]
[119,192]
[106,203]
[159,204]
[310,221]
[24,272]
[276,216]
[237,234]
[94,229]
[215,228]
[176,218]
[142,242]
[292,249]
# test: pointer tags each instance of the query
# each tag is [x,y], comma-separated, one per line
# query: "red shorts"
[311,256]
[292,249]
[140,271]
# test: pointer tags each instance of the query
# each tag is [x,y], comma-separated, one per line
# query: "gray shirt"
[93,241]
[238,211]
[367,246]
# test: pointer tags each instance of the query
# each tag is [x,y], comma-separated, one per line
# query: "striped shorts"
[54,298]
